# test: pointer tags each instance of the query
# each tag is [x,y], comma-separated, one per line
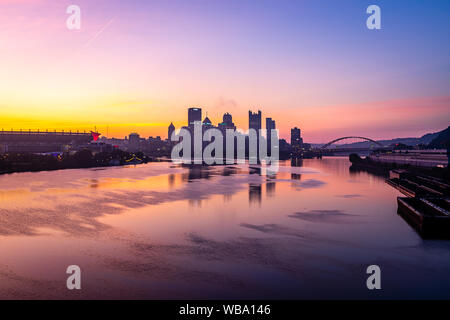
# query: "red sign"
[95,135]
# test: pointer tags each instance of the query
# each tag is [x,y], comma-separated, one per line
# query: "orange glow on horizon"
[318,124]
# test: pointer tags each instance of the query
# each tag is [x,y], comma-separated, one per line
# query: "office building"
[254,120]
[227,122]
[270,124]
[194,115]
[170,130]
[296,138]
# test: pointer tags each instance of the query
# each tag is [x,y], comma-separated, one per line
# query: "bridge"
[350,137]
[325,151]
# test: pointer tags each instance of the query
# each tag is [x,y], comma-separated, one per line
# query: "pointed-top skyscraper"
[170,131]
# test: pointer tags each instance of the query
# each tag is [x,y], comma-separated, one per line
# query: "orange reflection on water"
[157,231]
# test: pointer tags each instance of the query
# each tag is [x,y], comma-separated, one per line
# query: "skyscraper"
[270,124]
[296,138]
[254,120]
[227,118]
[170,131]
[227,122]
[194,115]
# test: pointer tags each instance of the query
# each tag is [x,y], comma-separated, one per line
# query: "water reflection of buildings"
[204,172]
[295,162]
[227,197]
[255,189]
[254,193]
[296,176]
[195,203]
[196,173]
[171,181]
[270,188]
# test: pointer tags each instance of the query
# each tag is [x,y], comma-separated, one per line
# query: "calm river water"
[161,231]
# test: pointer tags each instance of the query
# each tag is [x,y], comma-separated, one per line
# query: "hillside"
[442,141]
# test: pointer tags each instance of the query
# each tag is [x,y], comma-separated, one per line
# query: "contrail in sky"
[99,32]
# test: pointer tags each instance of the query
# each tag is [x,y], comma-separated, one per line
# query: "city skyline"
[135,67]
[230,157]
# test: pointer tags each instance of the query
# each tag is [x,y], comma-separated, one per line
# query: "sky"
[136,66]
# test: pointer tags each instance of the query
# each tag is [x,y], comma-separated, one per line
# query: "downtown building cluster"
[267,139]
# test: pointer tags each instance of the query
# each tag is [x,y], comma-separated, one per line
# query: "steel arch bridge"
[352,137]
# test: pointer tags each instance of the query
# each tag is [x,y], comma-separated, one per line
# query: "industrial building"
[43,141]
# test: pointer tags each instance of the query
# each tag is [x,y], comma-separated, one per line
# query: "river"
[161,231]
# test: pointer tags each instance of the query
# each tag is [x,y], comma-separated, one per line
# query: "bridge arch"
[351,137]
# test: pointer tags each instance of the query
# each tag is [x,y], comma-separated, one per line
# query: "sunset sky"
[137,65]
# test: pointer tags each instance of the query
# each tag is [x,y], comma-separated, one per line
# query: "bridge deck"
[28,132]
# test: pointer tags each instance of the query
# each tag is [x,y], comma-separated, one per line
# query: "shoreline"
[55,166]
[383,168]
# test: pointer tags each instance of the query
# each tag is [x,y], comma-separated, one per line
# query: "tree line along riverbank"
[24,162]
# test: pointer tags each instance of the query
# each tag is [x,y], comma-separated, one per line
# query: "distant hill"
[442,141]
[425,139]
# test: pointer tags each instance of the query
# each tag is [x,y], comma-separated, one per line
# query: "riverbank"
[370,164]
[28,162]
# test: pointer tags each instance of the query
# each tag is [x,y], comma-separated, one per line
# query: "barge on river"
[426,206]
